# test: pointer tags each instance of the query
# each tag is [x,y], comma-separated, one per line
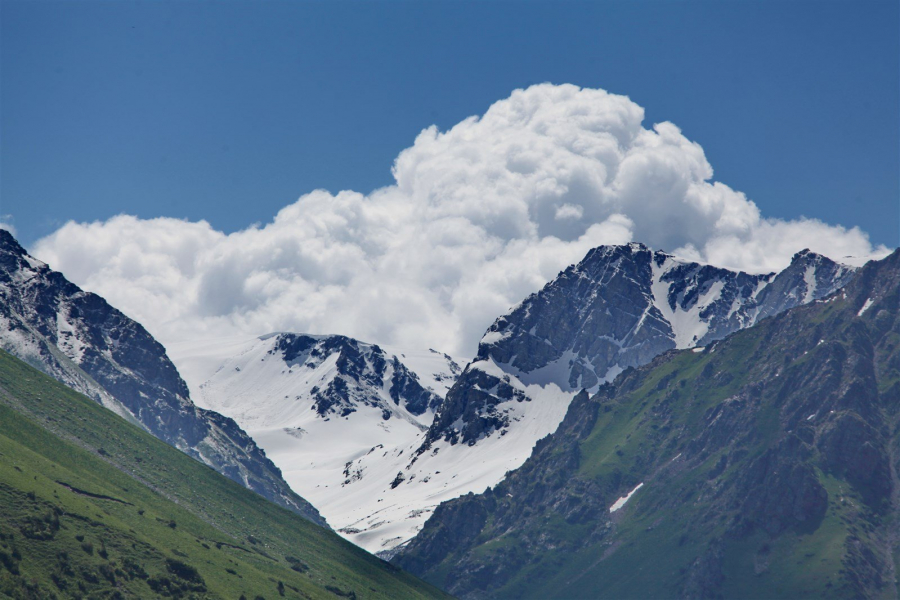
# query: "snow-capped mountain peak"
[285,379]
[322,406]
[619,307]
[623,305]
[317,403]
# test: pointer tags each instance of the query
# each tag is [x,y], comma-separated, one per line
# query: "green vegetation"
[666,529]
[769,464]
[93,507]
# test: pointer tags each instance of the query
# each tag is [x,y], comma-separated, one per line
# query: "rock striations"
[82,341]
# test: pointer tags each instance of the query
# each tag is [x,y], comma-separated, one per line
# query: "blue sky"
[230,111]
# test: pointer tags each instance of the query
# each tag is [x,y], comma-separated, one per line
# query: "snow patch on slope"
[198,360]
[687,325]
[621,501]
[67,337]
[865,307]
[436,371]
[395,494]
[809,278]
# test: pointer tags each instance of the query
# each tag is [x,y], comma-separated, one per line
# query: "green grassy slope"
[769,463]
[93,507]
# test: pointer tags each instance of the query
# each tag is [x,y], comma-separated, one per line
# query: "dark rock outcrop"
[360,370]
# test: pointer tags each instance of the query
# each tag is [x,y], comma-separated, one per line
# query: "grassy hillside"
[93,507]
[768,466]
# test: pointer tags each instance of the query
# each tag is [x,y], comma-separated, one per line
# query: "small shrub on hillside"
[108,573]
[182,578]
[43,527]
[297,564]
[133,569]
[9,562]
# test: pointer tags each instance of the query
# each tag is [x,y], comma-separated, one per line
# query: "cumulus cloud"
[6,223]
[479,217]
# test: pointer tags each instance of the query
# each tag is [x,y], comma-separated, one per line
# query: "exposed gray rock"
[361,369]
[82,341]
[620,307]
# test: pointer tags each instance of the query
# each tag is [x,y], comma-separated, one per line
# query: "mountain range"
[761,465]
[380,479]
[642,426]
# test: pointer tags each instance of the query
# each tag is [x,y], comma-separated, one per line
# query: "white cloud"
[6,224]
[480,216]
[569,211]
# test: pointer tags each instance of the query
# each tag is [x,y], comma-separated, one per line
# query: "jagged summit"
[8,243]
[618,308]
[686,302]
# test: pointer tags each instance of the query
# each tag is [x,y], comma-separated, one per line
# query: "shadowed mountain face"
[82,341]
[763,465]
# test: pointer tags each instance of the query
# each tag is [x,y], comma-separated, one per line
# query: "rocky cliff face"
[619,307]
[79,339]
[761,465]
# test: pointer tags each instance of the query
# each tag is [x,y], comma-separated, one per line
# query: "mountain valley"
[642,425]
[378,479]
[92,506]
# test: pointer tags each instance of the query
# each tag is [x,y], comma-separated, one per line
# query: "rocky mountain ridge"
[620,307]
[82,341]
[761,465]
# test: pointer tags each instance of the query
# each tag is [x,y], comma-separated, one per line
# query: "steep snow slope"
[82,341]
[316,403]
[392,490]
